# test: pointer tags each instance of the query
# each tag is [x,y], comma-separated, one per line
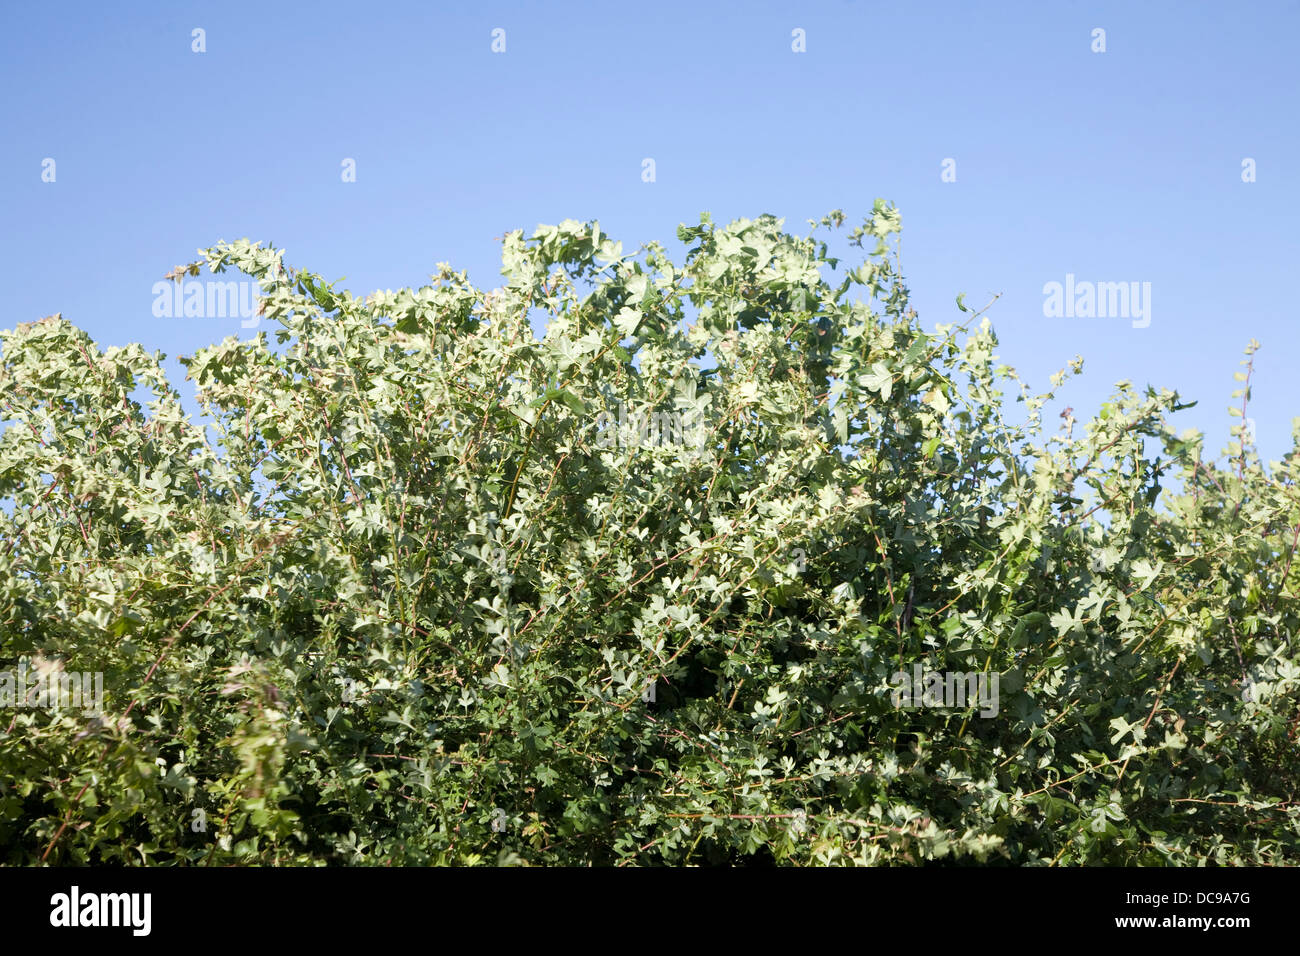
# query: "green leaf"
[575,403]
[627,321]
[879,380]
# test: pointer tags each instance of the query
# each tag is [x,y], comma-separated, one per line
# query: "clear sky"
[1117,166]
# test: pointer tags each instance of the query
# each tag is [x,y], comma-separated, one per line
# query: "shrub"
[637,592]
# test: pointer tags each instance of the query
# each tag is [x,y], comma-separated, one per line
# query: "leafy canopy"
[437,594]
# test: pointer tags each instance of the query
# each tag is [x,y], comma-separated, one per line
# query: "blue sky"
[1122,166]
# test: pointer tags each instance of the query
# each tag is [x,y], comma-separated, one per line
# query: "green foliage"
[428,601]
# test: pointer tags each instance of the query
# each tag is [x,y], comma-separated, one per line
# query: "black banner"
[333,905]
